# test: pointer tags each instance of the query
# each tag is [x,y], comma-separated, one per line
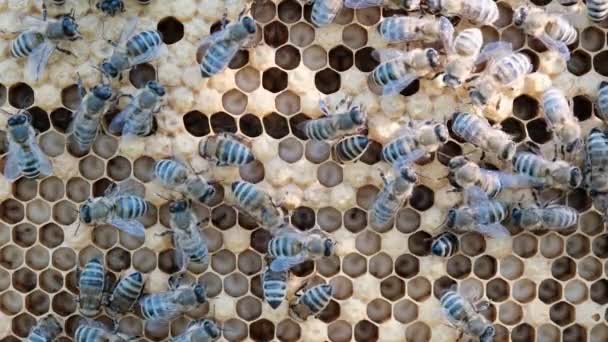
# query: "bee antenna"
[6,112]
[77,227]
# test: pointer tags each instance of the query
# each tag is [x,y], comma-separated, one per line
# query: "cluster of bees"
[344,126]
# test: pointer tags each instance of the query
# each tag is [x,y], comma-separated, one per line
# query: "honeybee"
[557,173]
[86,119]
[394,193]
[117,208]
[137,117]
[408,5]
[345,119]
[310,302]
[415,138]
[597,10]
[25,158]
[220,47]
[350,149]
[397,69]
[190,246]
[257,204]
[125,294]
[110,7]
[464,173]
[274,286]
[596,164]
[46,330]
[93,331]
[204,330]
[91,285]
[428,29]
[444,245]
[173,175]
[561,120]
[550,216]
[165,306]
[132,49]
[40,39]
[291,247]
[555,31]
[602,101]
[463,315]
[225,149]
[480,214]
[478,12]
[478,132]
[324,11]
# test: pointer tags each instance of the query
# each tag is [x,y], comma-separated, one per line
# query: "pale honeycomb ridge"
[543,286]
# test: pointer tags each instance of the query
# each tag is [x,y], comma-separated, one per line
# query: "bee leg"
[67,52]
[166,232]
[483,155]
[383,176]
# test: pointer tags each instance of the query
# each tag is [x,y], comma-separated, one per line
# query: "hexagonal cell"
[141,74]
[61,118]
[287,57]
[37,303]
[290,11]
[563,268]
[196,123]
[575,291]
[599,333]
[538,131]
[25,189]
[473,244]
[37,257]
[40,119]
[301,34]
[599,64]
[548,333]
[91,167]
[524,290]
[172,30]
[64,258]
[405,311]
[549,291]
[339,331]
[317,151]
[275,34]
[21,95]
[600,246]
[223,261]
[340,58]
[514,128]
[11,257]
[485,267]
[575,332]
[419,289]
[223,122]
[589,268]
[314,57]
[105,146]
[354,265]
[274,80]
[342,287]
[51,235]
[261,330]
[523,332]
[327,81]
[52,143]
[582,107]
[354,36]
[458,266]
[551,246]
[249,308]
[599,291]
[366,331]
[510,313]
[275,125]
[422,198]
[329,174]
[11,211]
[525,245]
[419,243]
[50,280]
[592,39]
[511,267]
[497,289]
[407,220]
[418,332]
[579,63]
[234,102]
[11,303]
[562,313]
[577,246]
[392,288]
[119,168]
[64,212]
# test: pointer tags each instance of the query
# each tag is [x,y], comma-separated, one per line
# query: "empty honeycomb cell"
[589,268]
[419,243]
[441,285]
[497,289]
[339,331]
[119,168]
[222,122]
[317,151]
[366,196]
[562,313]
[551,246]
[51,235]
[11,257]
[354,265]
[287,57]
[329,174]
[50,280]
[196,123]
[511,267]
[21,96]
[11,211]
[288,330]
[213,284]
[64,258]
[240,59]
[171,29]
[143,169]
[51,189]
[485,267]
[37,257]
[234,330]
[252,172]
[141,74]
[261,330]
[458,266]
[575,333]
[418,332]
[524,290]
[599,333]
[263,12]
[144,260]
[340,58]
[327,81]
[37,303]
[472,244]
[538,131]
[64,212]
[274,80]
[105,146]
[276,125]
[577,246]
[24,234]
[392,288]
[275,34]
[422,198]
[330,313]
[61,118]
[447,151]
[259,240]
[366,331]
[522,332]
[52,143]
[247,79]
[419,289]
[249,308]
[510,313]
[575,291]
[407,266]
[549,291]
[290,11]
[368,243]
[118,259]
[91,167]
[223,261]
[599,64]
[514,36]
[548,333]
[563,268]
[407,220]
[380,265]
[599,291]
[11,303]
[22,324]
[303,218]
[592,39]
[600,246]
[249,262]
[234,102]
[250,125]
[505,15]
[379,310]
[40,119]
[329,219]
[328,267]
[24,280]
[579,63]
[291,150]
[71,97]
[223,217]
[525,245]
[167,261]
[514,128]
[582,107]
[156,332]
[489,33]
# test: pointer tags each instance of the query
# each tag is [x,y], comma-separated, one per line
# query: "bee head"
[207,194]
[433,57]
[508,151]
[573,146]
[179,206]
[357,115]
[488,334]
[211,329]
[249,24]
[19,126]
[156,87]
[520,15]
[70,27]
[200,293]
[516,214]
[450,221]
[441,131]
[478,98]
[85,213]
[102,91]
[408,174]
[109,69]
[451,81]
[457,162]
[328,247]
[576,177]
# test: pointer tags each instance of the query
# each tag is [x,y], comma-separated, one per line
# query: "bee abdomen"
[30,166]
[384,208]
[388,72]
[468,42]
[153,307]
[529,164]
[91,284]
[215,59]
[597,10]
[168,170]
[316,298]
[398,148]
[396,29]
[559,217]
[484,12]
[126,293]
[445,245]
[86,333]
[602,100]
[511,67]
[467,126]
[25,44]
[275,287]
[284,246]
[453,303]
[130,207]
[351,148]
[245,193]
[234,153]
[142,42]
[324,11]
[562,30]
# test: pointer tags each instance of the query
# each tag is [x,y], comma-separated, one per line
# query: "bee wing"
[37,61]
[168,300]
[385,55]
[149,55]
[127,187]
[474,195]
[211,39]
[181,259]
[362,3]
[128,30]
[408,159]
[493,230]
[397,86]
[118,122]
[132,227]
[555,45]
[34,23]
[281,264]
[12,170]
[493,50]
[45,167]
[516,180]
[446,32]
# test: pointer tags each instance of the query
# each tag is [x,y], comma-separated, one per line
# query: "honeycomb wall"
[544,286]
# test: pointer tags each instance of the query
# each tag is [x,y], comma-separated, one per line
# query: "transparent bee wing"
[38,60]
[446,32]
[493,50]
[516,180]
[128,30]
[181,259]
[281,264]
[555,45]
[211,39]
[470,293]
[408,159]
[148,56]
[132,227]
[169,305]
[118,122]
[45,166]
[324,107]
[385,55]
[34,23]
[12,170]
[397,86]
[494,230]
[475,195]
[363,3]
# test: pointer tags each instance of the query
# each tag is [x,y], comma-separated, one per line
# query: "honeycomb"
[545,286]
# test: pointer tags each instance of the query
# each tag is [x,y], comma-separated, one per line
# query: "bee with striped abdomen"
[310,302]
[350,149]
[173,175]
[117,208]
[132,49]
[478,12]
[561,120]
[165,306]
[345,119]
[557,173]
[258,204]
[110,7]
[444,245]
[86,119]
[397,69]
[220,47]
[596,164]
[25,158]
[324,11]
[94,331]
[415,137]
[463,315]
[125,294]
[548,216]
[428,29]
[290,247]
[137,119]
[408,5]
[480,214]
[190,246]
[204,330]
[464,173]
[394,193]
[274,286]
[477,131]
[226,149]
[602,102]
[46,330]
[91,285]
[462,56]
[555,31]
[40,39]
[597,10]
